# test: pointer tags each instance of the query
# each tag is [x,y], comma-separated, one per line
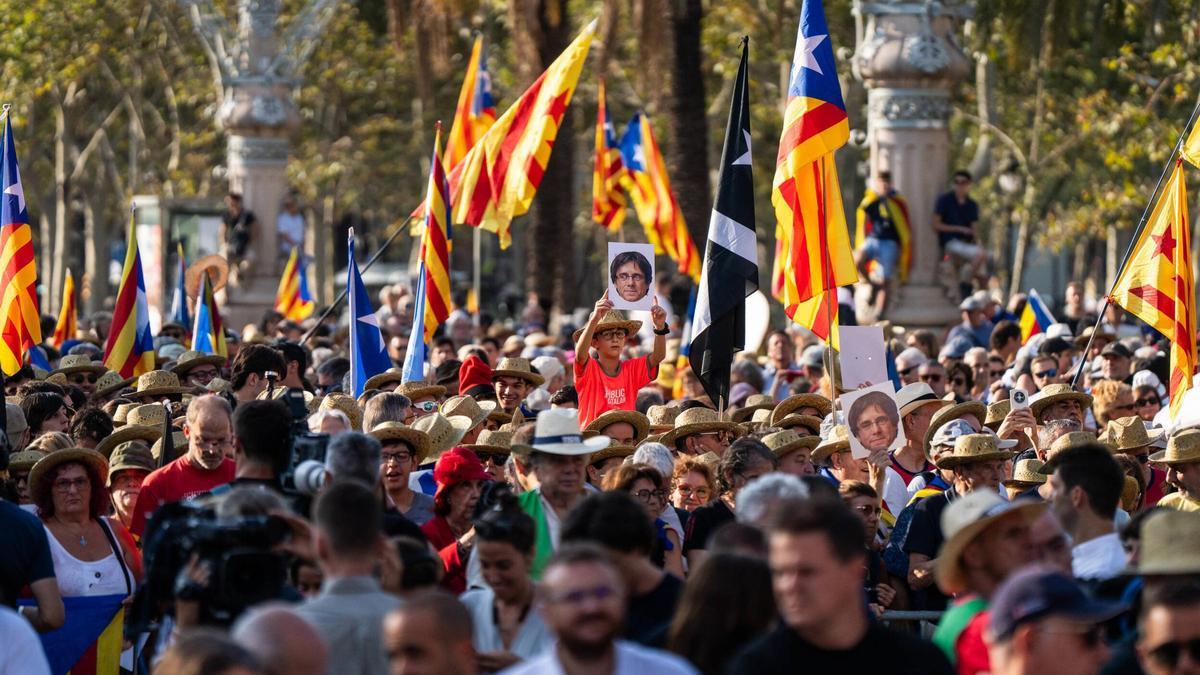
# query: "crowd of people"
[578,504]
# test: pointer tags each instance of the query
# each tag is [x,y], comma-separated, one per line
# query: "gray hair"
[1054,429]
[656,455]
[386,407]
[247,500]
[353,456]
[761,498]
[316,419]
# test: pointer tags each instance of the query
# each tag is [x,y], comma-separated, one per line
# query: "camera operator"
[262,443]
[248,374]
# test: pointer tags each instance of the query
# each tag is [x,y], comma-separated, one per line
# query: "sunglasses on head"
[1168,653]
[1047,373]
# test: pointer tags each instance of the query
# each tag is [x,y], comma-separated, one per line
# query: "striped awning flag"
[21,328]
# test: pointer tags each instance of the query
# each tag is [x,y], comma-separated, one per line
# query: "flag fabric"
[1191,147]
[91,638]
[813,252]
[414,355]
[1035,318]
[129,350]
[21,326]
[476,109]
[500,175]
[179,305]
[730,271]
[685,333]
[645,179]
[897,210]
[1156,284]
[67,319]
[368,355]
[293,299]
[820,315]
[608,202]
[208,335]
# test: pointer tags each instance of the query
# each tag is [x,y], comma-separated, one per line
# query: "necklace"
[82,539]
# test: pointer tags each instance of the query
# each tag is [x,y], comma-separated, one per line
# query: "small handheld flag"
[293,299]
[368,355]
[129,350]
[67,320]
[20,322]
[1035,318]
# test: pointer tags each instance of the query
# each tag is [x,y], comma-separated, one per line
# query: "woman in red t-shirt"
[606,382]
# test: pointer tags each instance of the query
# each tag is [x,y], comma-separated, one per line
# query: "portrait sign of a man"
[874,420]
[631,275]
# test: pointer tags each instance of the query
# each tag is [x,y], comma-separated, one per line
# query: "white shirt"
[532,637]
[20,651]
[895,492]
[631,659]
[1100,558]
[290,225]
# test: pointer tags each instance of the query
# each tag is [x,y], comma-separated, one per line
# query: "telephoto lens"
[310,477]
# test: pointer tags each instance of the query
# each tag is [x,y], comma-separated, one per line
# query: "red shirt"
[174,482]
[599,393]
[442,538]
[1156,489]
[970,648]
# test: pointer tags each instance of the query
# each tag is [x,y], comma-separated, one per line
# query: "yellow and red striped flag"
[645,179]
[435,245]
[476,109]
[293,299]
[129,350]
[813,253]
[500,175]
[65,328]
[21,329]
[608,202]
[1156,283]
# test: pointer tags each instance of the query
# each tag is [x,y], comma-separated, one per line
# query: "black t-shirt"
[704,521]
[879,223]
[238,228]
[925,537]
[952,212]
[882,651]
[649,615]
[24,552]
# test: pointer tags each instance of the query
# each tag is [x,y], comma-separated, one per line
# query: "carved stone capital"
[910,44]
[257,151]
[908,108]
[259,108]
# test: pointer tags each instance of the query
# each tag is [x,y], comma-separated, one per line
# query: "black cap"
[1038,592]
[1116,349]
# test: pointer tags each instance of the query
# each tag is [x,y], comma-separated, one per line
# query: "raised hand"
[658,315]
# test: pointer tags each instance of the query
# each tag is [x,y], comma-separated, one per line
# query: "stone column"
[909,59]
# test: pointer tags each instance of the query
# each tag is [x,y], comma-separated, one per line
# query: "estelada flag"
[129,350]
[67,321]
[1035,318]
[20,322]
[813,253]
[293,299]
[608,202]
[1156,283]
[476,109]
[90,640]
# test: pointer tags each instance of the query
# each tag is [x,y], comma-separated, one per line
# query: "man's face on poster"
[631,281]
[875,428]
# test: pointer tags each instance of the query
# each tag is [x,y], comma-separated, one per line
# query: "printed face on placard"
[874,420]
[631,275]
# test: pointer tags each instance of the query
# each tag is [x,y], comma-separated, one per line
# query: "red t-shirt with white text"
[174,482]
[599,393]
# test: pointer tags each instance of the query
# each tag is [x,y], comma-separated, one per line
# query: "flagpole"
[1136,233]
[831,293]
[477,257]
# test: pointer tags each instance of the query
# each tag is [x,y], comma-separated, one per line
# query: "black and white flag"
[730,272]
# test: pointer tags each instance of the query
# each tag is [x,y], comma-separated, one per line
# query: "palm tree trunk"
[687,153]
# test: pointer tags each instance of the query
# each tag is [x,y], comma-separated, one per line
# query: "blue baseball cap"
[1038,592]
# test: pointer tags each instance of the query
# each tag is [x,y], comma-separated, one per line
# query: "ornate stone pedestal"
[908,58]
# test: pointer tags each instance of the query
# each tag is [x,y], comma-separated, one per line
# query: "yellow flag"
[1191,147]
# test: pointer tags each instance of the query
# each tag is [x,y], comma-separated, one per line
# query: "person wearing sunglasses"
[933,374]
[80,371]
[1146,402]
[1044,370]
[1041,621]
[1169,640]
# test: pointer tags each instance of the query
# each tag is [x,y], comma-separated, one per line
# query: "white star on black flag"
[730,272]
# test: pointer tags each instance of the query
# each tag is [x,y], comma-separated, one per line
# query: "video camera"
[244,570]
[305,472]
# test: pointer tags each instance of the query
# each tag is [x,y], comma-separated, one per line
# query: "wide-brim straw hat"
[77,363]
[386,377]
[1053,393]
[346,404]
[943,416]
[793,403]
[110,383]
[662,418]
[192,358]
[754,403]
[1170,544]
[130,455]
[465,406]
[698,421]
[1070,439]
[218,273]
[1026,474]
[1129,433]
[611,451]
[611,319]
[558,433]
[782,443]
[492,441]
[996,412]
[1183,447]
[443,432]
[159,383]
[179,443]
[416,439]
[838,440]
[964,520]
[24,460]
[639,422]
[47,464]
[516,367]
[808,422]
[419,390]
[975,448]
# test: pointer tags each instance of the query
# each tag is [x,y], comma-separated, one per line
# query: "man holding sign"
[604,382]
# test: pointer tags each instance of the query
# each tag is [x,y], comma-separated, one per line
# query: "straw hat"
[807,422]
[142,423]
[787,441]
[515,367]
[178,440]
[662,418]
[1182,448]
[639,422]
[1054,393]
[761,419]
[498,415]
[558,433]
[974,448]
[837,440]
[122,413]
[1068,440]
[465,406]
[77,363]
[996,412]
[941,417]
[443,432]
[1170,543]
[24,460]
[386,377]
[418,390]
[159,383]
[754,403]
[218,274]
[1129,433]
[416,439]
[1026,474]
[611,451]
[794,403]
[698,421]
[964,520]
[515,420]
[110,383]
[59,379]
[1104,333]
[47,464]
[218,385]
[611,319]
[492,441]
[346,404]
[130,455]
[192,358]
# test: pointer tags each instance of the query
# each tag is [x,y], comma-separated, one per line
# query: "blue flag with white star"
[368,355]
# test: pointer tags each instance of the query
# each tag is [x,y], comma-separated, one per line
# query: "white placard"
[862,356]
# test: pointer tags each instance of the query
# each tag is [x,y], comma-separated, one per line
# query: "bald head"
[209,404]
[282,640]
